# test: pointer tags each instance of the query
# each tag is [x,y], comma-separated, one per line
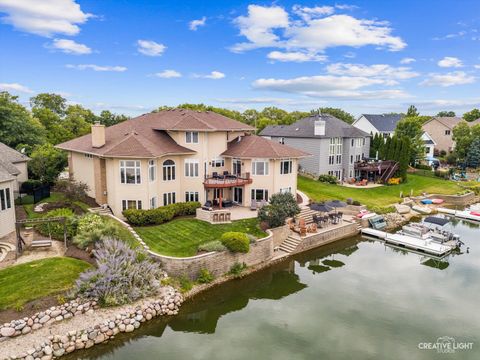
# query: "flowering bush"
[91,228]
[55,228]
[122,275]
[394,181]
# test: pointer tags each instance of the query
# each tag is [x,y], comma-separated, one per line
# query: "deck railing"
[227,180]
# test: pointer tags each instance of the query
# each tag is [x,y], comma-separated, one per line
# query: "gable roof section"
[304,128]
[252,146]
[146,135]
[10,155]
[7,171]
[451,121]
[384,122]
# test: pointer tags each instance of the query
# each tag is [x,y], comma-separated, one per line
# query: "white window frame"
[169,198]
[255,163]
[169,170]
[289,166]
[191,168]
[125,204]
[286,190]
[152,170]
[236,164]
[5,199]
[281,140]
[338,159]
[191,137]
[153,202]
[253,194]
[191,196]
[137,168]
[218,162]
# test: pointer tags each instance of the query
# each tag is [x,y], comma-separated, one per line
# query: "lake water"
[354,299]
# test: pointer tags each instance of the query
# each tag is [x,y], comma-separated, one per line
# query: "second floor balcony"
[226,180]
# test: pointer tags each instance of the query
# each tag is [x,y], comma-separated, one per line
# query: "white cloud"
[266,100]
[476,66]
[449,61]
[97,67]
[307,13]
[330,86]
[271,27]
[70,47]
[150,48]
[381,71]
[45,17]
[195,24]
[450,36]
[215,75]
[168,74]
[346,7]
[295,56]
[448,79]
[407,60]
[15,87]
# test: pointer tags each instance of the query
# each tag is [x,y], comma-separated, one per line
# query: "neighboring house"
[429,145]
[15,163]
[336,146]
[440,129]
[7,206]
[383,124]
[180,155]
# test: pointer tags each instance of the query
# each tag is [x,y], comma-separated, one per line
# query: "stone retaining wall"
[45,318]
[125,321]
[217,263]
[459,200]
[279,234]
[326,237]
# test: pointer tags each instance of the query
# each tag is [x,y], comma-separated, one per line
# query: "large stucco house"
[180,155]
[7,207]
[440,130]
[335,145]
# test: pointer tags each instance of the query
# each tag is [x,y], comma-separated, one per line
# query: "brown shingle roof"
[252,146]
[452,121]
[10,155]
[145,136]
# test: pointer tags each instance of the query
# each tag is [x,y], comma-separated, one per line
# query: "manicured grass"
[22,283]
[380,196]
[181,237]
[123,233]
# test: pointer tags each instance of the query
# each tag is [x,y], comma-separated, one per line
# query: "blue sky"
[130,57]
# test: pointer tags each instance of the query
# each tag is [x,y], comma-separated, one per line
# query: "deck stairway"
[389,172]
[5,249]
[290,244]
[101,210]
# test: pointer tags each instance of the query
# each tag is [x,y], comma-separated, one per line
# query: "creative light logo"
[446,345]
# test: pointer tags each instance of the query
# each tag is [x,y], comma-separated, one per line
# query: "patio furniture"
[207,206]
[227,203]
[215,175]
[253,205]
[340,216]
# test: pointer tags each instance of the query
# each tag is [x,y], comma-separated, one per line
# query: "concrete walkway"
[305,199]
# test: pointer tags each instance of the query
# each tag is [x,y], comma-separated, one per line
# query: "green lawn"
[380,196]
[22,283]
[123,233]
[181,237]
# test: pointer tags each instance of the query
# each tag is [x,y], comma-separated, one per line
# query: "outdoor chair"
[207,205]
[340,216]
[315,218]
[215,175]
[253,205]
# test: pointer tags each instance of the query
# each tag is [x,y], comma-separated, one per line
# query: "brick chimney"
[98,135]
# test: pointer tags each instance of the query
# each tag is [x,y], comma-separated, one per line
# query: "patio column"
[220,198]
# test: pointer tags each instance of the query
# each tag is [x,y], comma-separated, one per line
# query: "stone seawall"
[458,200]
[217,263]
[327,237]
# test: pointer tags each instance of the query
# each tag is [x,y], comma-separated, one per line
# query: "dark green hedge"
[160,215]
[236,241]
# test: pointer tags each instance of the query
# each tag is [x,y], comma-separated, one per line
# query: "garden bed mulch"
[28,309]
[76,253]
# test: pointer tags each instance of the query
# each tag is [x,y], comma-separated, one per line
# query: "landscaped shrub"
[356,203]
[236,241]
[331,179]
[73,190]
[281,207]
[212,246]
[121,276]
[160,215]
[442,174]
[29,185]
[423,167]
[185,283]
[92,228]
[237,269]
[394,181]
[55,228]
[383,209]
[204,276]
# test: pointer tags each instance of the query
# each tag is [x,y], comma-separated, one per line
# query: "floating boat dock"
[462,214]
[408,242]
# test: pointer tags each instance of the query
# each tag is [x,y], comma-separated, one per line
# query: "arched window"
[168,170]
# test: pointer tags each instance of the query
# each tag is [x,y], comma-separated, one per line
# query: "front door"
[238,195]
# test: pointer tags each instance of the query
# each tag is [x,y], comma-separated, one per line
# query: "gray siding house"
[334,144]
[383,124]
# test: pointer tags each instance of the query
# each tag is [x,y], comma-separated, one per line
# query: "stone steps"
[5,248]
[289,244]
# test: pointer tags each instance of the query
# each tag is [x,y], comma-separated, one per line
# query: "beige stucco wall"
[7,216]
[83,171]
[436,130]
[23,176]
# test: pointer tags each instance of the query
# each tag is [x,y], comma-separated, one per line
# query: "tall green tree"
[107,118]
[17,126]
[411,127]
[473,155]
[47,163]
[412,111]
[446,114]
[338,113]
[462,136]
[471,115]
[54,102]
